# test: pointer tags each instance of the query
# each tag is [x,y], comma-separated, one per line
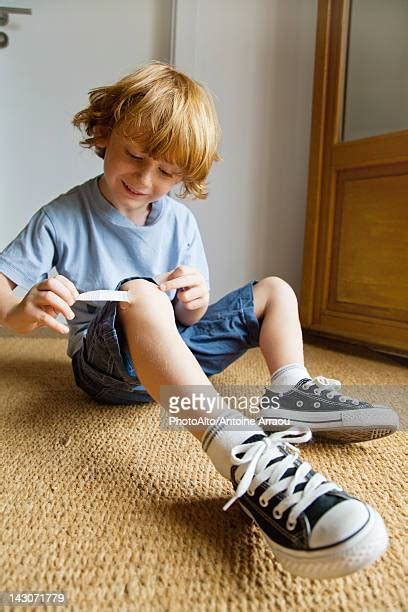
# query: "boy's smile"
[132,180]
[133,192]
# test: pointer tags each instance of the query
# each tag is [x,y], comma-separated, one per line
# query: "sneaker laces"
[331,385]
[253,470]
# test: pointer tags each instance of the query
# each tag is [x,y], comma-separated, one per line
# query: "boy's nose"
[144,178]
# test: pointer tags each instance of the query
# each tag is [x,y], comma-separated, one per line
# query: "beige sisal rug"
[99,502]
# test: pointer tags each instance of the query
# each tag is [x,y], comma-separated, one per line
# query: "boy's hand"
[191,287]
[42,304]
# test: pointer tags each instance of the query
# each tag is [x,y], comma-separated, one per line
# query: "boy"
[156,128]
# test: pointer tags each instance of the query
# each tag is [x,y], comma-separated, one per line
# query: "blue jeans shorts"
[103,366]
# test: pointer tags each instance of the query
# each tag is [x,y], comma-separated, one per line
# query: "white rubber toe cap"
[390,414]
[339,523]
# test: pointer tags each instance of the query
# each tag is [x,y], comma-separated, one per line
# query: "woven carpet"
[103,504]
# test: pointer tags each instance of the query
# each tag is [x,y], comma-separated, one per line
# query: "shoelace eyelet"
[356,402]
[330,395]
[276,514]
[317,392]
[250,493]
[343,400]
[290,525]
[259,453]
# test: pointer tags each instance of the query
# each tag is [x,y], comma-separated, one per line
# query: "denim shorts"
[103,366]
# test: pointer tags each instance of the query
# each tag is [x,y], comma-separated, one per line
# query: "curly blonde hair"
[172,115]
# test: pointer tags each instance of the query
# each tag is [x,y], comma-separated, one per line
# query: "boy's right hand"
[42,304]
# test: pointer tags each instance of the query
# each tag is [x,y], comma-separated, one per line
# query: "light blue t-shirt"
[92,244]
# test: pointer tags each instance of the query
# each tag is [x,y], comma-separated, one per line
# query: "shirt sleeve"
[194,255]
[28,258]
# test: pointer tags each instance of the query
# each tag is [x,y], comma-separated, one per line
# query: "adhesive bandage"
[108,295]
[104,295]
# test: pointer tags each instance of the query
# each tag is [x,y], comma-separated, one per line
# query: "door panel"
[370,244]
[377,79]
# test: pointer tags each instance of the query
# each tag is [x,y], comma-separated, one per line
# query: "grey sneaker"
[318,403]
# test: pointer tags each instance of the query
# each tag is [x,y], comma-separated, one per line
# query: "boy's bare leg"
[276,308]
[161,357]
[158,352]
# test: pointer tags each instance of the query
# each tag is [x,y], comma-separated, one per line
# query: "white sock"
[289,375]
[221,437]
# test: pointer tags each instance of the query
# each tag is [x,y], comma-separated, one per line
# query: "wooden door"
[355,270]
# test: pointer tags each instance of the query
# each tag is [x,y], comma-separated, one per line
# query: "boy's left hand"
[191,287]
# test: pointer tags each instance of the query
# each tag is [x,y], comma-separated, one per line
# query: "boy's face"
[131,179]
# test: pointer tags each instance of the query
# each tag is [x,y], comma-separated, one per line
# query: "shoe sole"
[361,550]
[346,426]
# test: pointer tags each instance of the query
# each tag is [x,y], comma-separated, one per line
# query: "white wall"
[258,59]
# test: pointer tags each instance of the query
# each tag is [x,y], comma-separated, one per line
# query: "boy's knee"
[141,293]
[138,286]
[279,288]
